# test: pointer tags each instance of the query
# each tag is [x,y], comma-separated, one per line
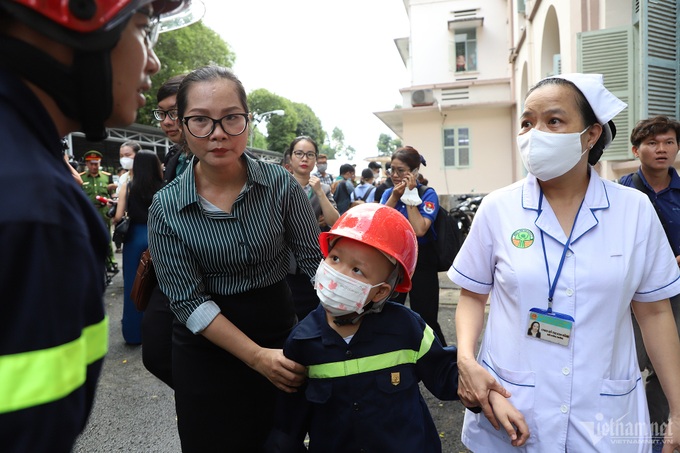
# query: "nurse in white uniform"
[572,253]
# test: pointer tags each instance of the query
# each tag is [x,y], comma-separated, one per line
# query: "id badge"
[550,326]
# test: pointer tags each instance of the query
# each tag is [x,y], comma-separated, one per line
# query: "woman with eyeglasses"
[220,236]
[300,158]
[420,210]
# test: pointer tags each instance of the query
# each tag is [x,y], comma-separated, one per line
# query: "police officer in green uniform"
[98,182]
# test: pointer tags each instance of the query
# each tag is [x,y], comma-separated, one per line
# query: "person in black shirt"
[386,184]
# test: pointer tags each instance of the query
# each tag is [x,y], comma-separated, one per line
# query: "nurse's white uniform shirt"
[587,396]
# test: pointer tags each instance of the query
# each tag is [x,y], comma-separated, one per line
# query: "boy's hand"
[672,437]
[510,418]
[474,386]
[285,374]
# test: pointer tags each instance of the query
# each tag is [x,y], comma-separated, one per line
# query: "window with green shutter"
[611,53]
[659,94]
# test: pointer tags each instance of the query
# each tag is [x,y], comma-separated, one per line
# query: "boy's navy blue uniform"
[364,396]
[52,274]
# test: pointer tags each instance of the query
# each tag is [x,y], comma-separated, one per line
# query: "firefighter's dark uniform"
[52,250]
[364,396]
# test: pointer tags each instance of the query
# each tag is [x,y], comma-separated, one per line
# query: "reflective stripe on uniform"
[374,362]
[37,377]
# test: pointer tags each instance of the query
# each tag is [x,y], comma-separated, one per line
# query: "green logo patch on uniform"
[522,238]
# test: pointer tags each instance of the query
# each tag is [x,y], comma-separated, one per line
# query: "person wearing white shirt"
[575,253]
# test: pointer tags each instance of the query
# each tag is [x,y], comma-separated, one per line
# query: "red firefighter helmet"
[92,28]
[96,24]
[381,227]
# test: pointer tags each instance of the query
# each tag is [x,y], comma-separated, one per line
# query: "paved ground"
[134,412]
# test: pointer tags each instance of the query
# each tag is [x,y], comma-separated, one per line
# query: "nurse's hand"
[285,374]
[474,385]
[671,442]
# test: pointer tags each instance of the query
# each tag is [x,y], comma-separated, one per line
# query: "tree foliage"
[298,119]
[308,123]
[387,145]
[181,51]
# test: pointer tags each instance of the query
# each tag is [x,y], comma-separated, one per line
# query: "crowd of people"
[280,310]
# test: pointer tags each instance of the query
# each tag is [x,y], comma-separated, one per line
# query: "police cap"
[92,156]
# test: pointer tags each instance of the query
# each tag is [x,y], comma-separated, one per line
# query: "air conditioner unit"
[422,97]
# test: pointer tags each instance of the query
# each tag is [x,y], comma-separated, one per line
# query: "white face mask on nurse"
[548,155]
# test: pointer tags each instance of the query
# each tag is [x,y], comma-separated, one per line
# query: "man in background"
[178,157]
[375,168]
[321,166]
[157,320]
[386,184]
[344,188]
[99,183]
[655,142]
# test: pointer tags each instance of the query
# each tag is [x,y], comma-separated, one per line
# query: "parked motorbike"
[464,211]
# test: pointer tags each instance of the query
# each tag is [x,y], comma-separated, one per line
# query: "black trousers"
[157,337]
[424,294]
[222,404]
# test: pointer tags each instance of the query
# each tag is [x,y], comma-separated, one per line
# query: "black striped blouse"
[198,251]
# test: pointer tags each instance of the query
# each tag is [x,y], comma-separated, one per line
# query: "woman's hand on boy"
[284,373]
[474,386]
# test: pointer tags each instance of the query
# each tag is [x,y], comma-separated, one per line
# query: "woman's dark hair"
[587,114]
[531,326]
[344,168]
[207,74]
[410,156]
[170,87]
[291,147]
[148,175]
[366,174]
[135,146]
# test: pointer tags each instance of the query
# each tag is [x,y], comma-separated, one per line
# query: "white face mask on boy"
[548,155]
[339,294]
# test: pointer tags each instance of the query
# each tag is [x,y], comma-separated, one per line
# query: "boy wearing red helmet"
[65,66]
[362,392]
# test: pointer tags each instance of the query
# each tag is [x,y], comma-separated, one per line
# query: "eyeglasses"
[160,114]
[400,171]
[311,155]
[152,29]
[202,126]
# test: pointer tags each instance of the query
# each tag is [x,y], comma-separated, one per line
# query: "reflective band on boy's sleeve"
[372,363]
[37,377]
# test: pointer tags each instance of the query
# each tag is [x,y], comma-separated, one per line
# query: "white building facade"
[472,62]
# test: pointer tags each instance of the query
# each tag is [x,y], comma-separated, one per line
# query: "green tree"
[387,145]
[298,119]
[308,123]
[350,152]
[181,51]
[337,143]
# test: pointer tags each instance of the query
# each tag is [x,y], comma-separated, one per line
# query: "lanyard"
[553,285]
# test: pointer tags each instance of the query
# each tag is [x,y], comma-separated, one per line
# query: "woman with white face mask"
[575,253]
[128,151]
